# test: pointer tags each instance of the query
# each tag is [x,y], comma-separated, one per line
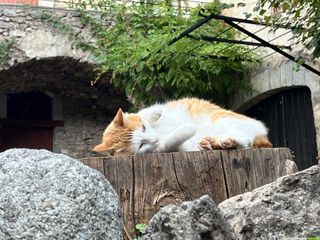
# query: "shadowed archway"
[289,116]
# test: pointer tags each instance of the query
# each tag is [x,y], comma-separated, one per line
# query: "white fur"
[177,130]
[145,141]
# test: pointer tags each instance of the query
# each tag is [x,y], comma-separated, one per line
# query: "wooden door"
[29,122]
[26,137]
[289,117]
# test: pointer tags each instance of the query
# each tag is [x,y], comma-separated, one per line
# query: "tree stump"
[147,182]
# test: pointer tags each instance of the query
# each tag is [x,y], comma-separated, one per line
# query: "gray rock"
[195,220]
[288,208]
[52,196]
[9,12]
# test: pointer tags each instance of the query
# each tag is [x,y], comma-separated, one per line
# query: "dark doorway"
[30,105]
[289,117]
[29,122]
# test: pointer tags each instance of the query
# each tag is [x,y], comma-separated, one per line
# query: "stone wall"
[83,128]
[36,36]
[44,59]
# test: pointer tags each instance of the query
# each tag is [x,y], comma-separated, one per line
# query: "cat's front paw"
[204,144]
[228,143]
[209,143]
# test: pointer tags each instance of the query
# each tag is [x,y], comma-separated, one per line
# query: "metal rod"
[215,39]
[229,46]
[241,20]
[268,55]
[195,26]
[200,45]
[273,47]
[285,33]
[218,57]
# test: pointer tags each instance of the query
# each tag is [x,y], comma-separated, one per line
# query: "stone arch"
[39,33]
[260,97]
[85,110]
[289,116]
[277,75]
[43,58]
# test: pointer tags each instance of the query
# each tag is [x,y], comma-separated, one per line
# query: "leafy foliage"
[302,14]
[5,47]
[135,50]
[141,227]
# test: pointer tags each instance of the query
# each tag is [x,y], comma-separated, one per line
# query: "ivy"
[303,15]
[65,29]
[5,47]
[135,50]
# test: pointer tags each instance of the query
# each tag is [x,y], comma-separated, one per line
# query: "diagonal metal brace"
[267,44]
[216,39]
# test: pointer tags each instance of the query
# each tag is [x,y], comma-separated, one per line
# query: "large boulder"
[194,220]
[288,208]
[51,196]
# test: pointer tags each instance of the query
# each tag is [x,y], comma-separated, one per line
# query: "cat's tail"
[261,141]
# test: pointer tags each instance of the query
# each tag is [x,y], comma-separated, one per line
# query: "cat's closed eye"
[141,145]
[143,128]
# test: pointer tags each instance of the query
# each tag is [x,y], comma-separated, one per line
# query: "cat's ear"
[118,119]
[156,115]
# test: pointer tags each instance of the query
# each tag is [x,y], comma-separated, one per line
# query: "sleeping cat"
[188,124]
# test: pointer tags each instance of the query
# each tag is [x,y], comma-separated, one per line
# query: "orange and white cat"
[188,124]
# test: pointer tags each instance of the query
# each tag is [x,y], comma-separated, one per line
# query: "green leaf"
[285,6]
[248,15]
[149,86]
[297,14]
[267,19]
[134,49]
[241,4]
[141,227]
[262,11]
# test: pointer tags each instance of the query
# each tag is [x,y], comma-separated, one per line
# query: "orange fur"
[261,142]
[197,106]
[117,136]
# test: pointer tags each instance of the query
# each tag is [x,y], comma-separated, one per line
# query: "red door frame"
[34,134]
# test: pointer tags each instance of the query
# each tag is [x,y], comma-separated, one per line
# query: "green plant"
[135,50]
[140,227]
[302,14]
[5,47]
[64,28]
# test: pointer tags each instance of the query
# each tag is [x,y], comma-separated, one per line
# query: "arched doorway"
[29,105]
[289,117]
[28,122]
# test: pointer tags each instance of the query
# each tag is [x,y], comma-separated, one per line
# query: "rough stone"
[288,208]
[52,196]
[9,12]
[45,36]
[194,220]
[17,33]
[44,59]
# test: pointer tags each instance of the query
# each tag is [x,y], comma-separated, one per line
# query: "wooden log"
[147,182]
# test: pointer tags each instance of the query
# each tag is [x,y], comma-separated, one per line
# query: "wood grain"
[145,183]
